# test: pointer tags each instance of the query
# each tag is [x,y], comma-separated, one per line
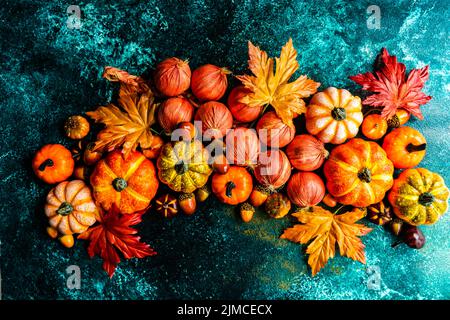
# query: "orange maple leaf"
[326,229]
[272,88]
[129,124]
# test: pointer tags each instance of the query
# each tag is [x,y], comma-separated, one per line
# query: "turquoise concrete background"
[49,71]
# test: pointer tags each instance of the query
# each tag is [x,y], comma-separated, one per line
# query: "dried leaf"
[128,125]
[269,87]
[128,81]
[115,233]
[393,90]
[324,230]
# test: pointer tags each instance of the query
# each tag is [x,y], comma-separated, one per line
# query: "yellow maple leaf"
[272,88]
[128,125]
[326,229]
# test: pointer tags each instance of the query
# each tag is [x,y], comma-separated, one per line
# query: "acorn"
[90,156]
[395,226]
[259,195]
[379,213]
[187,203]
[52,232]
[246,210]
[167,205]
[67,240]
[412,236]
[202,193]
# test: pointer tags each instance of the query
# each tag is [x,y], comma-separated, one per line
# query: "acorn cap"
[185,196]
[247,206]
[263,189]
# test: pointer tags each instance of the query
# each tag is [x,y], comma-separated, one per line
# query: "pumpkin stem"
[229,187]
[119,184]
[65,209]
[426,199]
[181,167]
[45,164]
[365,175]
[414,148]
[339,114]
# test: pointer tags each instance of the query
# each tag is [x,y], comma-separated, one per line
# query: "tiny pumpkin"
[405,147]
[70,208]
[277,205]
[183,166]
[233,187]
[53,163]
[129,183]
[358,173]
[374,126]
[419,196]
[76,127]
[334,115]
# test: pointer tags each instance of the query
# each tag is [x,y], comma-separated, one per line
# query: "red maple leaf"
[114,233]
[393,90]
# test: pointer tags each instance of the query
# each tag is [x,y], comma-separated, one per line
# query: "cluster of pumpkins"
[270,166]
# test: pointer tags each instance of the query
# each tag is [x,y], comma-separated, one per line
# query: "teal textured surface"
[50,71]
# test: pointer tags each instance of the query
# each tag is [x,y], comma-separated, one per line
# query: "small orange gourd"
[233,187]
[405,147]
[53,163]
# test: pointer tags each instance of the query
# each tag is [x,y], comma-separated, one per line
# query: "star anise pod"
[379,213]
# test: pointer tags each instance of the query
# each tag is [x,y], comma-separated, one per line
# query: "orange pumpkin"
[405,147]
[358,173]
[374,126]
[129,183]
[53,163]
[233,187]
[70,209]
[334,115]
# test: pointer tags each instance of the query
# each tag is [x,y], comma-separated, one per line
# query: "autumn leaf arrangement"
[169,142]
